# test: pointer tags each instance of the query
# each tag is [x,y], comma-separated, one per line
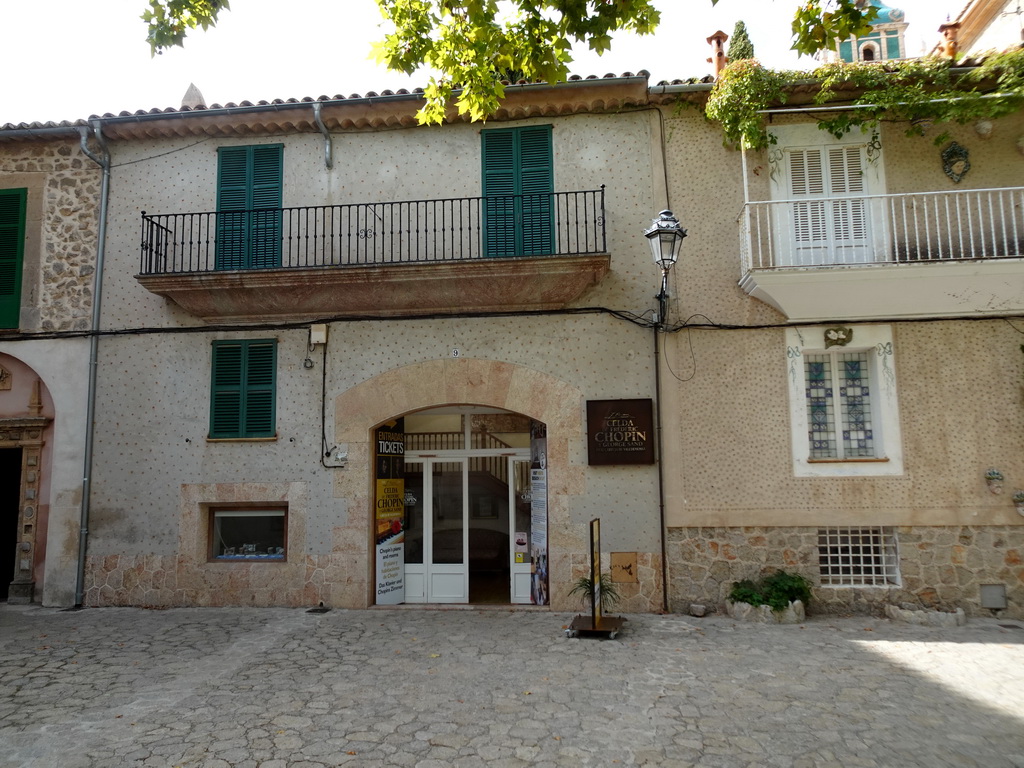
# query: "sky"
[86,57]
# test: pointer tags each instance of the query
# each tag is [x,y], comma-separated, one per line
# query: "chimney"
[718,57]
[949,32]
[192,98]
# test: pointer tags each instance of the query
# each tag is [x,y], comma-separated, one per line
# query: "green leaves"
[817,26]
[916,91]
[743,88]
[169,21]
[777,590]
[471,42]
[583,588]
[740,46]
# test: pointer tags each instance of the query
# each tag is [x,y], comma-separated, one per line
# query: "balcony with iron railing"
[919,254]
[445,256]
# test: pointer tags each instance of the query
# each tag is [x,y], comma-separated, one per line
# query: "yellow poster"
[390,509]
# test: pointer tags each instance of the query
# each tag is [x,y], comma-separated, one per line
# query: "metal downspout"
[102,160]
[328,142]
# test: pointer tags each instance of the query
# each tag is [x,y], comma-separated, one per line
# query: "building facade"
[846,393]
[318,280]
[347,360]
[49,213]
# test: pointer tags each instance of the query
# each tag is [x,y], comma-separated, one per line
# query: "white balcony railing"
[873,229]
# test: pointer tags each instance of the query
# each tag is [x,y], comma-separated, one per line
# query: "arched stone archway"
[26,413]
[461,381]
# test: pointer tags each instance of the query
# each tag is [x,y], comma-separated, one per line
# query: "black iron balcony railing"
[415,231]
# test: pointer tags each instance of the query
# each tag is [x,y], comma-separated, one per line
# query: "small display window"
[248,534]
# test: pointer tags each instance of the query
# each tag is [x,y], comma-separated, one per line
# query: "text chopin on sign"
[620,432]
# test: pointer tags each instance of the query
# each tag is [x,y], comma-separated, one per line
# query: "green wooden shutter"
[249,181]
[232,201]
[243,392]
[226,391]
[260,390]
[518,180]
[535,174]
[12,251]
[266,194]
[499,186]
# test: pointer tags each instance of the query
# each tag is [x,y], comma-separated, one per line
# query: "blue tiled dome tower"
[884,42]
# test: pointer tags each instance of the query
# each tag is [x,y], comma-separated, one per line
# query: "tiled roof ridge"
[386,93]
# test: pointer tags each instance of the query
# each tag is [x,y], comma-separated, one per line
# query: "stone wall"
[941,567]
[61,231]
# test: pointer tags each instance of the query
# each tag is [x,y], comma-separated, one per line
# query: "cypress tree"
[740,46]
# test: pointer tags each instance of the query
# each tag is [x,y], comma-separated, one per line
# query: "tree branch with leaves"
[470,43]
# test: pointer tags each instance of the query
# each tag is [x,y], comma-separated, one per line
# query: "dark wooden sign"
[620,432]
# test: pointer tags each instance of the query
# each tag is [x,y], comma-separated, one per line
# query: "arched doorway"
[471,526]
[26,419]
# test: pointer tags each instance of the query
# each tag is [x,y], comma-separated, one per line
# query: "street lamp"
[666,238]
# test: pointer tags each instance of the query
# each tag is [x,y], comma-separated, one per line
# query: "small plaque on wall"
[620,432]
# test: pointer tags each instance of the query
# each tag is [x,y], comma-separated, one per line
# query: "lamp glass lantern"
[666,238]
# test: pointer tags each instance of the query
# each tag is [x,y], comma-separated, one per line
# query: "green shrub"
[777,590]
[608,592]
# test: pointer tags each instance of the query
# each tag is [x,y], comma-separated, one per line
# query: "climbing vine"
[915,91]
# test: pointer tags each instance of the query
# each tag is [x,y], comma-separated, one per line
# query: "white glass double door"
[466,520]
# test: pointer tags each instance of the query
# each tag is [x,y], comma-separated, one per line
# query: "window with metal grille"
[858,557]
[839,420]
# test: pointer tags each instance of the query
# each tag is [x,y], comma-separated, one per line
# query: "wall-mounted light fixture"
[665,238]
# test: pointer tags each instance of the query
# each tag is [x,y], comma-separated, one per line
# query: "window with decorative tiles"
[843,408]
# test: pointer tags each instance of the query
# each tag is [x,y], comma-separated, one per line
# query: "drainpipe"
[328,143]
[103,161]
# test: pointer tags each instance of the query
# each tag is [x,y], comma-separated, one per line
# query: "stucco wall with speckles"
[729,438]
[156,468]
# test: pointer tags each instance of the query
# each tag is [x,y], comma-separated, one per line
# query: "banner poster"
[539,514]
[389,512]
[595,569]
[539,534]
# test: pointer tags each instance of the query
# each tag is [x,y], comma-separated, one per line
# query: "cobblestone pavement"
[242,688]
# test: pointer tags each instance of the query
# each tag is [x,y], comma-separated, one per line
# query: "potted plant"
[994,480]
[1018,501]
[584,589]
[780,598]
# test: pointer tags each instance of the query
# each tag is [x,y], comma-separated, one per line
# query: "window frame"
[13,236]
[877,340]
[221,406]
[517,185]
[844,547]
[238,511]
[829,211]
[250,192]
